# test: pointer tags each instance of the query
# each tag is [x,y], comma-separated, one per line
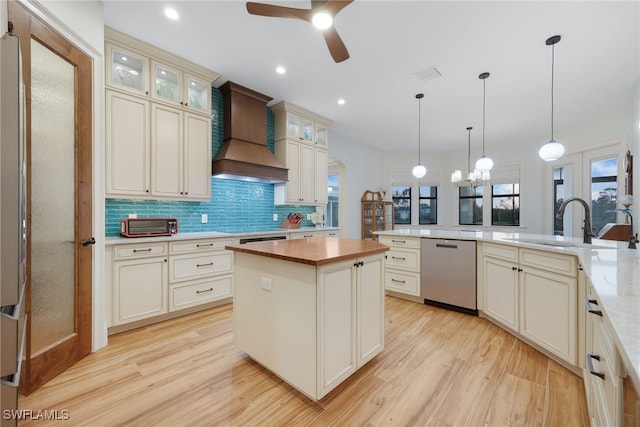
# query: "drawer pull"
[400,258]
[398,241]
[588,303]
[590,358]
[141,250]
[203,245]
[308,235]
[204,265]
[206,290]
[398,281]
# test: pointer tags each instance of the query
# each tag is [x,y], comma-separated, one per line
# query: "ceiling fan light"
[322,20]
[551,151]
[484,164]
[419,171]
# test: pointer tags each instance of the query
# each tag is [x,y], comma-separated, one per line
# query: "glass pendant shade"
[484,164]
[551,151]
[456,176]
[419,171]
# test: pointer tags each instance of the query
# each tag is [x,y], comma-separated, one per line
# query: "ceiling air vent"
[429,73]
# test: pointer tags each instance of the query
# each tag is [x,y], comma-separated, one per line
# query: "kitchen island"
[309,310]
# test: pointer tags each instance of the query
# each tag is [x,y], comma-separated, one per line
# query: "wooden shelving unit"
[377,214]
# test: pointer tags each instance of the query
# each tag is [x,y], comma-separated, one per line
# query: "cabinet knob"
[146,93]
[146,191]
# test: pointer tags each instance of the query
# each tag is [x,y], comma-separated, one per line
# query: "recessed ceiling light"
[171,13]
[341,101]
[124,58]
[280,70]
[322,20]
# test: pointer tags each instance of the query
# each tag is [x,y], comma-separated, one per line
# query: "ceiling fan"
[321,15]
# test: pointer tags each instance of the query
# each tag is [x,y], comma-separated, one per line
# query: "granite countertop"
[117,240]
[614,271]
[316,251]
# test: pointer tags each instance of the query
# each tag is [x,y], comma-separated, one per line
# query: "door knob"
[88,241]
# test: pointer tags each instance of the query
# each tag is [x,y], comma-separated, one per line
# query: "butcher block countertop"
[312,251]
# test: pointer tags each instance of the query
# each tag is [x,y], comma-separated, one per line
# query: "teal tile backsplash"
[235,206]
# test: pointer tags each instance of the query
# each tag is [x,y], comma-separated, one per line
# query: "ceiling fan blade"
[333,7]
[263,9]
[335,44]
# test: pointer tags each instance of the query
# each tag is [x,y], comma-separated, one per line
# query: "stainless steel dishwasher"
[448,274]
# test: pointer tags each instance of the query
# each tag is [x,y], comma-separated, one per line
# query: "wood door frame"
[40,368]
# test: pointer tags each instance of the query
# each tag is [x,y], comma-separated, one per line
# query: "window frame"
[408,197]
[433,204]
[514,195]
[475,197]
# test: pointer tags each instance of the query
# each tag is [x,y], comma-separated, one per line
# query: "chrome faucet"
[587,233]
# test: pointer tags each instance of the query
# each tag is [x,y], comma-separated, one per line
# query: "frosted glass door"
[52,198]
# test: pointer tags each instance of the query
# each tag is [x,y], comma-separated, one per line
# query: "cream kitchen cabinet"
[178,87]
[349,335]
[296,123]
[140,285]
[603,368]
[402,265]
[199,272]
[127,70]
[308,174]
[127,141]
[533,293]
[181,147]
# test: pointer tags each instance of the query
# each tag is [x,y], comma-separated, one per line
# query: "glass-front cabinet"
[166,83]
[127,71]
[198,94]
[377,214]
[300,128]
[322,134]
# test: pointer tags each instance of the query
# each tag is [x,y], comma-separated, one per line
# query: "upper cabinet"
[301,145]
[146,70]
[296,123]
[158,123]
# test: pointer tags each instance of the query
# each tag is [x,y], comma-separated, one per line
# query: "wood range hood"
[244,154]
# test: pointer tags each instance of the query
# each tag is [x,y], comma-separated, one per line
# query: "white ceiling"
[597,62]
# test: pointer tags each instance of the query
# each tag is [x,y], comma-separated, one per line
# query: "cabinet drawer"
[203,245]
[407,283]
[400,241]
[307,235]
[332,233]
[403,259]
[140,250]
[187,267]
[550,261]
[200,292]
[506,252]
[608,388]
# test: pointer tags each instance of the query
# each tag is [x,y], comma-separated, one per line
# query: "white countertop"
[118,240]
[613,269]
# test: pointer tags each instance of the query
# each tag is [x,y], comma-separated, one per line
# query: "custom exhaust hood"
[244,154]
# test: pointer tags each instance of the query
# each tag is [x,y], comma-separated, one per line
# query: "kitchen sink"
[561,244]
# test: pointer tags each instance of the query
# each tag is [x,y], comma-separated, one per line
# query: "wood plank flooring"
[439,368]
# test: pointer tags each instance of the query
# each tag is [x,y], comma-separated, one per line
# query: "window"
[558,197]
[428,203]
[332,204]
[604,191]
[505,204]
[470,205]
[401,205]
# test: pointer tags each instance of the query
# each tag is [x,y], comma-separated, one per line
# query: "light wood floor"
[439,368]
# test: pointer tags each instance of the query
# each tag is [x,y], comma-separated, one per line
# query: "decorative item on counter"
[317,219]
[293,220]
[626,201]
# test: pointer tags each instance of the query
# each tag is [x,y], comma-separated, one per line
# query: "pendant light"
[474,178]
[419,170]
[552,150]
[484,163]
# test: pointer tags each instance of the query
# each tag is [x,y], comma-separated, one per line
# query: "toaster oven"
[147,227]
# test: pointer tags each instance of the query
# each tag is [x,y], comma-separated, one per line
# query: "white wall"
[610,126]
[364,171]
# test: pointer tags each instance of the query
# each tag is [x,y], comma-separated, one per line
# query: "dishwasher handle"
[447,245]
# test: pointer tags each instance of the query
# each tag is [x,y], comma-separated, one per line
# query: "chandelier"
[474,178]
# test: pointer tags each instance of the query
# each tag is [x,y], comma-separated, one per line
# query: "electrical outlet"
[275,217]
[204,218]
[309,217]
[265,283]
[133,216]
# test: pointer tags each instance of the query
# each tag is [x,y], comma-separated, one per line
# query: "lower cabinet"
[350,316]
[153,279]
[603,368]
[140,285]
[402,266]
[533,293]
